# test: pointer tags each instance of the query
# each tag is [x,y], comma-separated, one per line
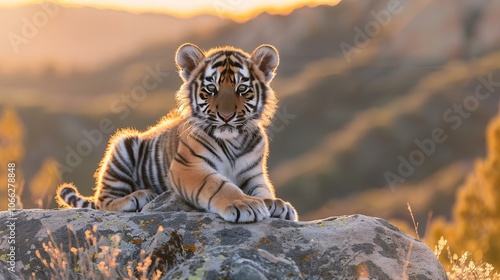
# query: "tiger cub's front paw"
[247,210]
[281,209]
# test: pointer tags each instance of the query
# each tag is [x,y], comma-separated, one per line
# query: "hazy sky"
[236,9]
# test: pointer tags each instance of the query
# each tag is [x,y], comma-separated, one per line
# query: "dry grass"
[459,268]
[96,259]
[464,267]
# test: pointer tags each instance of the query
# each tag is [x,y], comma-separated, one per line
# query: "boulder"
[177,243]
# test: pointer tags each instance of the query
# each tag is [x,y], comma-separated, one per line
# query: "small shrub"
[464,267]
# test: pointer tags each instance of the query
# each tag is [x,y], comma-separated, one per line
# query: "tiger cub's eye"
[242,89]
[211,88]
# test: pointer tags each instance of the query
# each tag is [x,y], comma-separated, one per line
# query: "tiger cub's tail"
[69,197]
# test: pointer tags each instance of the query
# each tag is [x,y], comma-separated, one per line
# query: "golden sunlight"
[238,10]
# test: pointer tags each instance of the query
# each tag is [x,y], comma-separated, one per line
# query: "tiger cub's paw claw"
[247,210]
[281,209]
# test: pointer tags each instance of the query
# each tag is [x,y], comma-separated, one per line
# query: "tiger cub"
[211,150]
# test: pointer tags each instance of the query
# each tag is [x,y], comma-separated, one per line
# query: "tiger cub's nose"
[226,116]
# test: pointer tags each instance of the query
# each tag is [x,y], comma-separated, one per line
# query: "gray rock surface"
[203,245]
[228,262]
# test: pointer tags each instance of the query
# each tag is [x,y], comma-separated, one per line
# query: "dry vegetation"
[41,188]
[96,259]
[476,214]
[464,267]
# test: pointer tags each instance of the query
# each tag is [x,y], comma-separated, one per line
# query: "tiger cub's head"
[226,90]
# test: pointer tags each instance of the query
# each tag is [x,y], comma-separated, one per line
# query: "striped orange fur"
[211,150]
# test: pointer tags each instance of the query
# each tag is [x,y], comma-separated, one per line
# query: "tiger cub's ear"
[187,57]
[267,59]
